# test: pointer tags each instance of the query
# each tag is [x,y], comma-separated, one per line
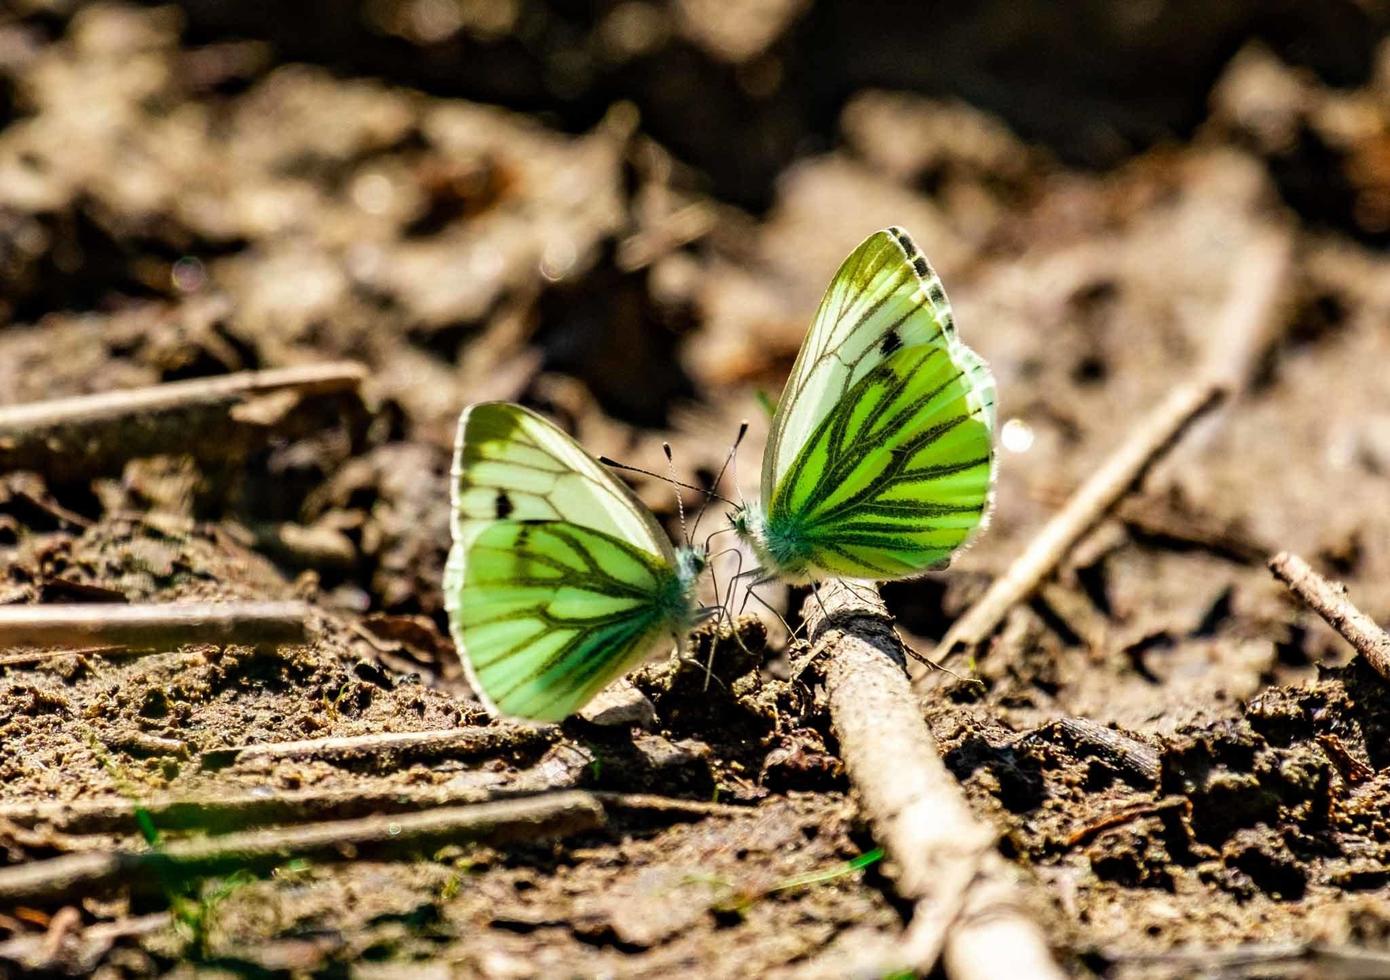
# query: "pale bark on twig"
[1238,337]
[68,437]
[1329,600]
[389,748]
[153,626]
[533,818]
[962,889]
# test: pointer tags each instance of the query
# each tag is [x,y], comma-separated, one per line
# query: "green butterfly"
[880,462]
[559,579]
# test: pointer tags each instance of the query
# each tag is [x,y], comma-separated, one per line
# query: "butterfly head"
[748,521]
[690,564]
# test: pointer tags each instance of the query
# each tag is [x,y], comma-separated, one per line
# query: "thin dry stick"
[1146,443]
[158,626]
[239,811]
[964,897]
[1329,600]
[390,748]
[39,656]
[95,432]
[541,817]
[1238,336]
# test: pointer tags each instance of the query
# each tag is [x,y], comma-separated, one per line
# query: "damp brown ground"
[625,219]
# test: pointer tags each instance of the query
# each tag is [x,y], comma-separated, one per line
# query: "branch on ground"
[968,907]
[1329,600]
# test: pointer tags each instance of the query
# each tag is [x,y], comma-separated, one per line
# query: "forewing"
[547,614]
[510,463]
[883,298]
[882,452]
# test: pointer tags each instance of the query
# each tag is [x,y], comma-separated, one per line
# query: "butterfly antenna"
[608,461]
[676,485]
[733,475]
[728,461]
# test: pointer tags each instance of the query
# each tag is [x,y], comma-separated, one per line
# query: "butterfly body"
[559,580]
[880,462]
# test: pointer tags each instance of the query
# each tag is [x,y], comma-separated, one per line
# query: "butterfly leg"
[825,613]
[724,607]
[791,633]
[872,597]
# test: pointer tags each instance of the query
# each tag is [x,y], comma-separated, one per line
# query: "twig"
[651,803]
[965,901]
[1329,600]
[40,656]
[155,626]
[1124,815]
[535,818]
[90,433]
[389,748]
[1239,334]
[1147,442]
[239,811]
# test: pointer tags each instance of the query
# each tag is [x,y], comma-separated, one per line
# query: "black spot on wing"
[890,343]
[503,506]
[919,265]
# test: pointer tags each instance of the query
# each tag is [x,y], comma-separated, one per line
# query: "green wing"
[880,462]
[559,580]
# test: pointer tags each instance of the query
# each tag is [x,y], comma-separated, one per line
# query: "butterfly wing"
[880,462]
[559,580]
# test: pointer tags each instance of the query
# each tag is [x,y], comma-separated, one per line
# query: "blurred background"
[625,212]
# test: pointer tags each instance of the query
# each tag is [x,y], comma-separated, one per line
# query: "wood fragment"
[87,434]
[1329,600]
[153,626]
[390,749]
[963,891]
[1239,336]
[1353,770]
[1091,738]
[533,818]
[148,744]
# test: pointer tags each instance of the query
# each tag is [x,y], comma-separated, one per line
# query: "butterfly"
[880,461]
[559,579]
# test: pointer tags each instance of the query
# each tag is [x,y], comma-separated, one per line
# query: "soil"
[623,214]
